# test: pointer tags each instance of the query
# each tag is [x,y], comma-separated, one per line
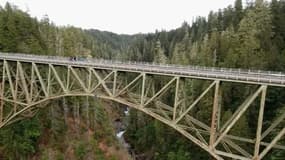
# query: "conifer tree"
[159,56]
[238,13]
[254,36]
[181,50]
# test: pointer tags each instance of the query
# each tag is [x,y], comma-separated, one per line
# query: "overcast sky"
[120,16]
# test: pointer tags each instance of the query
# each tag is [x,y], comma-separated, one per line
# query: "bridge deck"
[225,74]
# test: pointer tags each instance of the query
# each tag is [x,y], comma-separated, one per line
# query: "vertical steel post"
[143,89]
[220,94]
[259,124]
[68,78]
[32,82]
[115,82]
[2,93]
[176,98]
[49,80]
[215,116]
[16,88]
[89,79]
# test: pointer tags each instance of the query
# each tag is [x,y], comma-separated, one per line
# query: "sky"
[120,16]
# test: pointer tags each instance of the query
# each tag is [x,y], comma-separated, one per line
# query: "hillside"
[249,37]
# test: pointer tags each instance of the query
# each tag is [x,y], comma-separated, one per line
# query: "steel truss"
[26,85]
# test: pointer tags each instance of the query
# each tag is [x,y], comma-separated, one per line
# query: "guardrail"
[104,61]
[211,72]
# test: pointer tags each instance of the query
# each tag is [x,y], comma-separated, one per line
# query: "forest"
[250,36]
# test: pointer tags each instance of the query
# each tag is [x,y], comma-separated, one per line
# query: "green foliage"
[180,155]
[19,32]
[80,151]
[159,56]
[279,154]
[249,36]
[254,35]
[20,139]
[59,156]
[241,128]
[238,36]
[179,55]
[238,14]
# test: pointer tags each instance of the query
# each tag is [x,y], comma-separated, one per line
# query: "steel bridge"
[27,81]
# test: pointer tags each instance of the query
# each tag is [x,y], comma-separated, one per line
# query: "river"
[121,129]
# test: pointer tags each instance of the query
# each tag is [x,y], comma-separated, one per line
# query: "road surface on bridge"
[225,74]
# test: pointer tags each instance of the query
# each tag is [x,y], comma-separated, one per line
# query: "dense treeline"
[21,33]
[61,129]
[250,37]
[233,37]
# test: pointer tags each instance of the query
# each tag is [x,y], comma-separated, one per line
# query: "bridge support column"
[2,94]
[215,116]
[143,89]
[114,82]
[176,98]
[259,124]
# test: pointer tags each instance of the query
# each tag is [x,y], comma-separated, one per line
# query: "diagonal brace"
[272,144]
[24,83]
[58,78]
[195,102]
[78,79]
[10,79]
[132,82]
[161,90]
[102,82]
[238,114]
[40,79]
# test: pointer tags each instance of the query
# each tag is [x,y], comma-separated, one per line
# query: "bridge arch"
[30,80]
[151,114]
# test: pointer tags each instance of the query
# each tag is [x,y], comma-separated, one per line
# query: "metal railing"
[104,61]
[212,72]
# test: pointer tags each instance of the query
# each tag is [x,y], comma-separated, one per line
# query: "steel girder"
[26,85]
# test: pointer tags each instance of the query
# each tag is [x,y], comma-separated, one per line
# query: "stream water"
[121,129]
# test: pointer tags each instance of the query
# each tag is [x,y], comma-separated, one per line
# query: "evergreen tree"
[254,36]
[159,56]
[238,13]
[245,37]
[181,51]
